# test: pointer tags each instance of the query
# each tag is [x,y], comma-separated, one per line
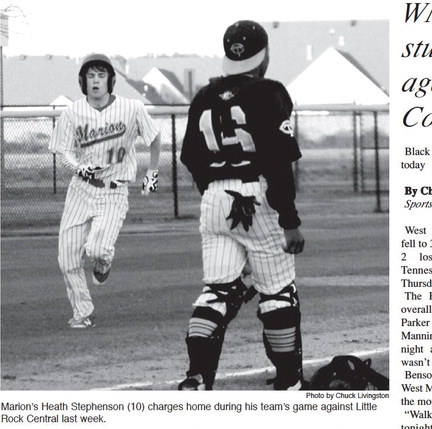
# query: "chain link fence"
[345,151]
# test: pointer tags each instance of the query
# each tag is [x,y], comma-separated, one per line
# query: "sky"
[134,28]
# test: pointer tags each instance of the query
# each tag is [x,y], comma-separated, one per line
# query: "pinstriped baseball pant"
[91,221]
[225,251]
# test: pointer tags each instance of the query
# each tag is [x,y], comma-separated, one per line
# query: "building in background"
[48,81]
[321,62]
[335,78]
[192,72]
[330,62]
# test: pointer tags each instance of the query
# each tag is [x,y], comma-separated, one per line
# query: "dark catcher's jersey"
[239,127]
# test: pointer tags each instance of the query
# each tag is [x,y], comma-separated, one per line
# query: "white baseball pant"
[226,251]
[90,225]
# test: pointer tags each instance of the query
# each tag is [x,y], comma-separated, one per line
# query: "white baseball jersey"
[105,138]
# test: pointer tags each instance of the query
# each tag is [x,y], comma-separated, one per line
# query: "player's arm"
[281,196]
[151,178]
[69,161]
[279,154]
[294,241]
[150,133]
[62,143]
[155,149]
[194,153]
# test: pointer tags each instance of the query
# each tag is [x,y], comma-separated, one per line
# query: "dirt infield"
[142,313]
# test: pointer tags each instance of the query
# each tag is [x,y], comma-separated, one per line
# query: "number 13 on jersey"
[241,136]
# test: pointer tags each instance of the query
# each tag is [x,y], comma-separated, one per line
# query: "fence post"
[361,149]
[54,167]
[355,154]
[2,154]
[174,164]
[378,208]
[2,140]
[296,164]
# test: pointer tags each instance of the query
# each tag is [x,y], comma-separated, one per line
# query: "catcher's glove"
[242,210]
[89,171]
[348,373]
[150,182]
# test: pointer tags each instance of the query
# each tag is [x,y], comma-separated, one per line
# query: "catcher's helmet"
[96,60]
[348,373]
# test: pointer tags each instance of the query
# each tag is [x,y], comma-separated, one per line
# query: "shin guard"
[282,341]
[204,351]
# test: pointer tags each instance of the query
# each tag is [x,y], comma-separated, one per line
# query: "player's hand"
[150,182]
[88,171]
[294,241]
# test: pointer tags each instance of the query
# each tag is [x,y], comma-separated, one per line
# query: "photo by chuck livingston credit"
[391,205]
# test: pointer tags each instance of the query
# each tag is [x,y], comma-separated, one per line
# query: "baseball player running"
[239,147]
[95,140]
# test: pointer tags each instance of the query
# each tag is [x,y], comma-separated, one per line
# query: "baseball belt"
[98,183]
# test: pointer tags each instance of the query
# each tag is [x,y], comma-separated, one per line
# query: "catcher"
[239,147]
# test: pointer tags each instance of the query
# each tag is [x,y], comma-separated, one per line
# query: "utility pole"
[4,36]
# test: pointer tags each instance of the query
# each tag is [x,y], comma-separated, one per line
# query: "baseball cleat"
[300,385]
[192,383]
[100,275]
[83,322]
[70,321]
[296,386]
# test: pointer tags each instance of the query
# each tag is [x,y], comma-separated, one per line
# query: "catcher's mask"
[348,373]
[96,60]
